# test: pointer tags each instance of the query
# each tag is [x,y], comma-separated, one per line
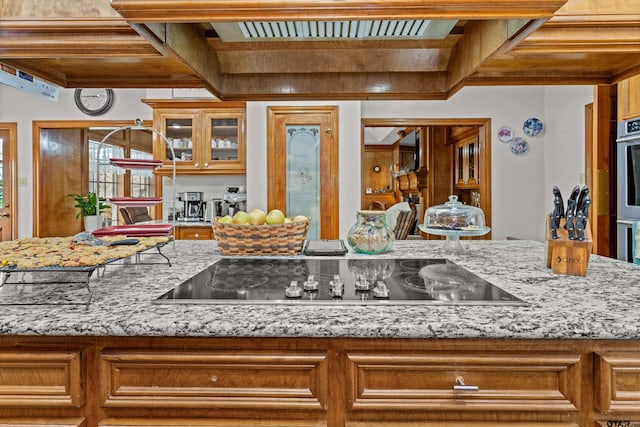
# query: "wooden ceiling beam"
[54,38]
[335,86]
[249,10]
[332,61]
[482,40]
[188,44]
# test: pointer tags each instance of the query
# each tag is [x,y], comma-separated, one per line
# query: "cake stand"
[452,244]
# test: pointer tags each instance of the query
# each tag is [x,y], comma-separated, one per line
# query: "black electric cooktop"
[338,282]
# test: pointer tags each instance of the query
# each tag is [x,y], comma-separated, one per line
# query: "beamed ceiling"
[308,49]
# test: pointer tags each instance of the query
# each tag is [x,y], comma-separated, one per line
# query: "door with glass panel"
[302,175]
[8,146]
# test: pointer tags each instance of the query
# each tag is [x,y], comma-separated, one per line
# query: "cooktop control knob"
[311,284]
[336,287]
[380,290]
[293,291]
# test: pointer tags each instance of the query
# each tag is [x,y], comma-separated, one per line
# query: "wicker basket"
[245,239]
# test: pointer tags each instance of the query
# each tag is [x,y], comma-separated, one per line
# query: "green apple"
[241,217]
[275,216]
[257,217]
[299,218]
[225,219]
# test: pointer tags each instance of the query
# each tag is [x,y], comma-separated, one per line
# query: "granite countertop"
[601,305]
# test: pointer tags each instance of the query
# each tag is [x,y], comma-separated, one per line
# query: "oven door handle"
[628,138]
[624,222]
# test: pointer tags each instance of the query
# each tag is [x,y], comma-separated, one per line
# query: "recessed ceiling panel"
[334,30]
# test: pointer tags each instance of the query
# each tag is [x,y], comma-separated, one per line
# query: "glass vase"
[370,234]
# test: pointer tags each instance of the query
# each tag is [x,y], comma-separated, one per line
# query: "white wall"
[349,156]
[24,108]
[521,184]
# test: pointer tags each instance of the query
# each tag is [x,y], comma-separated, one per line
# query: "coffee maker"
[234,200]
[194,205]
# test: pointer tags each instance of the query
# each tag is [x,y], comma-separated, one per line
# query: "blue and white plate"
[519,146]
[532,127]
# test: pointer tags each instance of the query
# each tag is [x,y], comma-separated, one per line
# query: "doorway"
[8,182]
[302,171]
[442,149]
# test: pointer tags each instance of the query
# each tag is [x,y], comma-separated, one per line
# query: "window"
[114,181]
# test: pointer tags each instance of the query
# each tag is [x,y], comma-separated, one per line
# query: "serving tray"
[135,230]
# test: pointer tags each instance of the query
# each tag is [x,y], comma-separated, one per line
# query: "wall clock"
[94,101]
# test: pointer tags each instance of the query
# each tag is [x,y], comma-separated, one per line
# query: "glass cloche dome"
[454,219]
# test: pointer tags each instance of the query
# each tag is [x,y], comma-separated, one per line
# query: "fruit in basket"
[225,219]
[299,218]
[257,216]
[275,216]
[241,217]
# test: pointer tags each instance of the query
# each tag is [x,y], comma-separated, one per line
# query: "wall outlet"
[581,178]
[22,181]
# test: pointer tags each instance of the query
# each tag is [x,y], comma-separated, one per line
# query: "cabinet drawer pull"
[206,165]
[461,386]
[214,378]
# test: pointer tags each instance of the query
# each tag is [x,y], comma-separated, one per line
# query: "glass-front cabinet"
[208,137]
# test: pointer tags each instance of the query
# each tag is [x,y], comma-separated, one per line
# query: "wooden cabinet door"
[223,144]
[629,98]
[41,379]
[181,130]
[617,382]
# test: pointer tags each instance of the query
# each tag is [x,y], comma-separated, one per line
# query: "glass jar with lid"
[371,234]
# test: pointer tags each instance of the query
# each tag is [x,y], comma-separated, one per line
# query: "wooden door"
[322,126]
[8,193]
[60,168]
[600,169]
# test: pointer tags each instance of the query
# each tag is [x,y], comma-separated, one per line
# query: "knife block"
[565,256]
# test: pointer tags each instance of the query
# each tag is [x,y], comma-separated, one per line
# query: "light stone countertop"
[603,305]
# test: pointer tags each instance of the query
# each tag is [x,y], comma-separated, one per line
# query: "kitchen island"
[570,357]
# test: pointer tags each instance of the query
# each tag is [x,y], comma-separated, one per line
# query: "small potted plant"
[87,205]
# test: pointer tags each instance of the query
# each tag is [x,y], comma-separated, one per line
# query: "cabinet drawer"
[504,381]
[43,422]
[456,424]
[194,233]
[617,382]
[207,380]
[204,422]
[41,379]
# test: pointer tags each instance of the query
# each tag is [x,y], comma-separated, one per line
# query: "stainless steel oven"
[625,239]
[628,143]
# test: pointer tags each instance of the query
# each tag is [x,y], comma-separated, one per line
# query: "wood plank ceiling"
[178,44]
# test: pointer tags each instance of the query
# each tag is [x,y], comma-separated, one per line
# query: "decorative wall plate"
[519,146]
[532,127]
[505,134]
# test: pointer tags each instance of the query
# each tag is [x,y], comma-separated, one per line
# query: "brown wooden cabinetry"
[192,232]
[208,137]
[629,98]
[221,379]
[617,378]
[466,163]
[305,382]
